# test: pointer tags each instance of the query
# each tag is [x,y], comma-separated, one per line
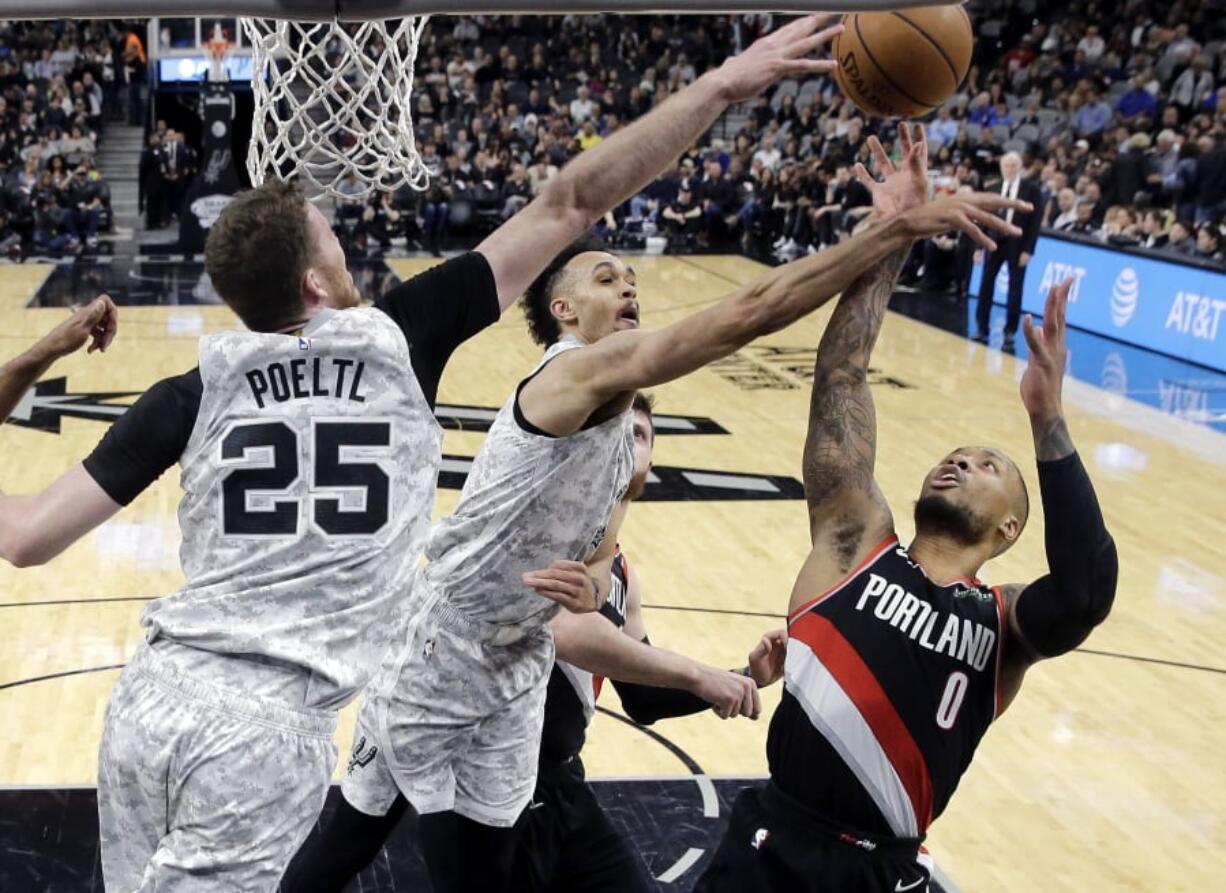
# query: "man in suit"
[1015,251]
[150,197]
[177,163]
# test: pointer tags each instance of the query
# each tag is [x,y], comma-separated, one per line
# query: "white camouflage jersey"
[308,481]
[529,499]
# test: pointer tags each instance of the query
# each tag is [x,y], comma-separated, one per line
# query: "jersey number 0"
[266,454]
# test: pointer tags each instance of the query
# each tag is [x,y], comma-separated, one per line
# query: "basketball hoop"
[333,104]
[217,48]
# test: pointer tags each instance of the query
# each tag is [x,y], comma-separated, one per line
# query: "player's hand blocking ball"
[782,54]
[903,64]
[903,188]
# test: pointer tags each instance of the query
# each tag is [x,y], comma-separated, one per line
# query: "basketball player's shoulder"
[363,325]
[465,276]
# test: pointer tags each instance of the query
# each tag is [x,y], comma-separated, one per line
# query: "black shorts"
[774,844]
[567,843]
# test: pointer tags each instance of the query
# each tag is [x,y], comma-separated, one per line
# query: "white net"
[333,105]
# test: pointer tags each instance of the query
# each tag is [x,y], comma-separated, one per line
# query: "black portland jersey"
[890,682]
[571,699]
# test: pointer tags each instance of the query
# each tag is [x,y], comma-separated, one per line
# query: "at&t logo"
[1124,296]
[1056,272]
[1195,315]
[1115,374]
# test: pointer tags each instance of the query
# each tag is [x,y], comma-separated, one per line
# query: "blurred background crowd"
[58,80]
[1117,110]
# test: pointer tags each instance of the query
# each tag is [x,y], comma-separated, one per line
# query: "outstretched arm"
[34,529]
[603,177]
[563,396]
[653,683]
[590,641]
[95,322]
[1055,614]
[646,703]
[847,512]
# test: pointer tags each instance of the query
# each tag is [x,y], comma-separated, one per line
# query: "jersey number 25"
[265,461]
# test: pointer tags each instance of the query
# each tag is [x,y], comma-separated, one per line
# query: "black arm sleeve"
[147,439]
[439,310]
[647,703]
[1056,613]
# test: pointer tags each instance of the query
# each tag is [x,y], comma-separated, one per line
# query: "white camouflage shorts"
[455,720]
[201,789]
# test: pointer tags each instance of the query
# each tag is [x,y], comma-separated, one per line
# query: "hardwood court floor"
[1107,774]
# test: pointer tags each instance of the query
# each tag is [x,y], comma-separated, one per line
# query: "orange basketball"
[903,64]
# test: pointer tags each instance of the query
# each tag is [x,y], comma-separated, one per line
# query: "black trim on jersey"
[520,418]
[440,309]
[147,439]
[529,428]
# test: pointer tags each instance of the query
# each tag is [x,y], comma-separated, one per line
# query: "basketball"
[903,64]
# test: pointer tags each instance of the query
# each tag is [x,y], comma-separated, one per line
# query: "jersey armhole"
[197,434]
[875,553]
[619,555]
[409,370]
[521,419]
[1002,614]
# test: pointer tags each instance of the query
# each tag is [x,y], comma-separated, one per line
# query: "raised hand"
[569,584]
[780,54]
[766,660]
[899,189]
[1043,380]
[968,213]
[96,322]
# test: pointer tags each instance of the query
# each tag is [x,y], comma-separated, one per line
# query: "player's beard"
[936,515]
[638,484]
[340,286]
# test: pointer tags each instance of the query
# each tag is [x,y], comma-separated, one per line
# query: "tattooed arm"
[1056,613]
[848,514]
[847,511]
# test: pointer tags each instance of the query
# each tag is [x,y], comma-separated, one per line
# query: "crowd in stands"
[57,82]
[1117,108]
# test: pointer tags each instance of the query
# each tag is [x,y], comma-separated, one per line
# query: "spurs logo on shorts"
[362,756]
